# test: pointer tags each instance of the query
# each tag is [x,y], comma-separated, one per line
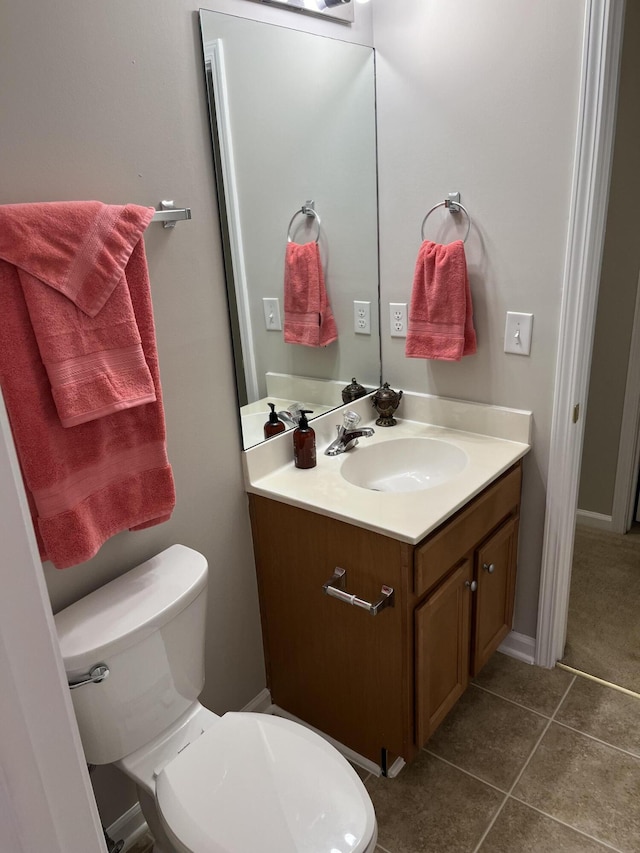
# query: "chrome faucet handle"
[350,420]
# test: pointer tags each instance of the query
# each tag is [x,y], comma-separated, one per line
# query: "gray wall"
[618,288]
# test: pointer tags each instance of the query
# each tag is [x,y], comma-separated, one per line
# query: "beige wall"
[482,98]
[618,287]
[106,100]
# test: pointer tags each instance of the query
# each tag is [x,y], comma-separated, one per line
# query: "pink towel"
[441,314]
[79,373]
[71,267]
[308,318]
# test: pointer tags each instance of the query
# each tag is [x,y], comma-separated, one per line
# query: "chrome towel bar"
[338,579]
[169,214]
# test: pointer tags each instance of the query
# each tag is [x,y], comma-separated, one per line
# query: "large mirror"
[293,127]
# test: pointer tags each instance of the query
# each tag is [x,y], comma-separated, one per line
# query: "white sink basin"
[403,464]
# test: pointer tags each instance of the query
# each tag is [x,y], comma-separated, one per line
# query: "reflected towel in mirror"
[308,319]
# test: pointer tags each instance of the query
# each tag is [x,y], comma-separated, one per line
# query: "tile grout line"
[598,740]
[523,768]
[568,825]
[512,702]
[461,770]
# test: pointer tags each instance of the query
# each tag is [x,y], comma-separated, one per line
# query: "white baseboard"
[519,646]
[596,520]
[129,827]
[260,704]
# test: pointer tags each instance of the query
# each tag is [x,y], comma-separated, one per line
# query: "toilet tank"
[148,627]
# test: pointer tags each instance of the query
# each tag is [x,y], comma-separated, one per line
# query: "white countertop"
[407,516]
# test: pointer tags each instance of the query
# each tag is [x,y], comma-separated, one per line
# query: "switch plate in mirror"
[272,321]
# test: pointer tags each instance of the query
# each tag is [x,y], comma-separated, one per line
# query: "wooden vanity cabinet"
[382,684]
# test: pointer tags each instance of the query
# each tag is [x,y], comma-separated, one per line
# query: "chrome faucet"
[348,435]
[291,415]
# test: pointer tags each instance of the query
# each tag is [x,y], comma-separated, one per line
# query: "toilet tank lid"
[127,609]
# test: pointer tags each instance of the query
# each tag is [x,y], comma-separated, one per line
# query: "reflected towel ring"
[454,207]
[306,210]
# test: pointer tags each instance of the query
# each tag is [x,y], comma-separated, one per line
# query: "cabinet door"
[331,664]
[442,650]
[495,574]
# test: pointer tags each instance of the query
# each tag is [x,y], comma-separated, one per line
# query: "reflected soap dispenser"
[274,425]
[304,442]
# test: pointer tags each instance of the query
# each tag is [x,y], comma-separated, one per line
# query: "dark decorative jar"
[386,401]
[353,391]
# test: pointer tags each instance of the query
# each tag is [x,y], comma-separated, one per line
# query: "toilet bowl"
[239,783]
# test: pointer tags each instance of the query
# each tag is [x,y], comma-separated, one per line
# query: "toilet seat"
[255,782]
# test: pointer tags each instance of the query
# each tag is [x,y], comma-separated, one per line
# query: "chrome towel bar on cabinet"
[338,578]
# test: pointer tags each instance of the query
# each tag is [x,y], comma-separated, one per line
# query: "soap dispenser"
[274,425]
[304,442]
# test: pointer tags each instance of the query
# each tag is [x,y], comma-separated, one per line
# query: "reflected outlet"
[361,317]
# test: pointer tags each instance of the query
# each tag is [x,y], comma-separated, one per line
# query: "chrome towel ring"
[453,204]
[306,210]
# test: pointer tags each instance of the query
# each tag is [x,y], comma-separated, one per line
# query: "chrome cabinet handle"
[338,579]
[95,675]
[489,567]
[472,585]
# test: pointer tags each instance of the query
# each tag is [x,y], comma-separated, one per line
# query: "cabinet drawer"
[449,545]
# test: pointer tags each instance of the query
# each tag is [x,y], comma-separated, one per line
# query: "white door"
[46,800]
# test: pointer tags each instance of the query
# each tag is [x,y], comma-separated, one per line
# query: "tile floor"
[530,760]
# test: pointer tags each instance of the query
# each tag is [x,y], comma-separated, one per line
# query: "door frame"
[46,799]
[602,49]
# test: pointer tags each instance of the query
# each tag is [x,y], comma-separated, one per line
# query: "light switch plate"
[517,333]
[272,320]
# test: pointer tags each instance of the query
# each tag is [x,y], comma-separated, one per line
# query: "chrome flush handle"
[95,675]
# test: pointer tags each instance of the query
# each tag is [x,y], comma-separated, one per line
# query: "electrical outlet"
[398,319]
[272,320]
[361,317]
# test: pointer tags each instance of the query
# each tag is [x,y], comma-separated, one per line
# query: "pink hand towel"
[88,481]
[308,318]
[441,314]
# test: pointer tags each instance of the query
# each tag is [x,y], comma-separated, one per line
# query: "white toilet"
[240,783]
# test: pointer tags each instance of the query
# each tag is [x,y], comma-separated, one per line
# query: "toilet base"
[150,812]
